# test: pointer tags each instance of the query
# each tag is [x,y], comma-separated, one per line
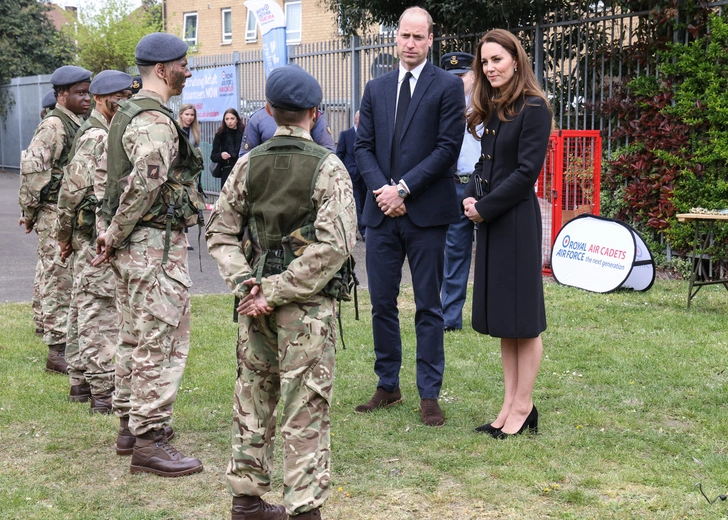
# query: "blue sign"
[212,91]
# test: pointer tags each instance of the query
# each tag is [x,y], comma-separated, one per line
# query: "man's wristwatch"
[401,191]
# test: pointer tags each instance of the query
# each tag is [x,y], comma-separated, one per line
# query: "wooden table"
[701,245]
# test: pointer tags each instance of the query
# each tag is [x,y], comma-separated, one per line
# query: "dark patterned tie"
[405,95]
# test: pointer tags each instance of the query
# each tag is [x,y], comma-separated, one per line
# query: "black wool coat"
[508,297]
[226,141]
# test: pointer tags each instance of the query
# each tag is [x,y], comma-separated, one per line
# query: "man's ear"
[160,70]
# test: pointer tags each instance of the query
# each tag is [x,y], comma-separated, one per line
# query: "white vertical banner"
[272,24]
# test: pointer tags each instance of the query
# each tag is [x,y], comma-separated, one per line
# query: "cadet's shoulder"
[257,116]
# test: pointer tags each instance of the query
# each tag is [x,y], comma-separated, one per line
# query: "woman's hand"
[225,156]
[470,211]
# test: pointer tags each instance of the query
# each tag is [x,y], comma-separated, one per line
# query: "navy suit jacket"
[345,152]
[431,139]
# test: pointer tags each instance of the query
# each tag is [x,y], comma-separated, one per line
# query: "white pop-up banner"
[601,255]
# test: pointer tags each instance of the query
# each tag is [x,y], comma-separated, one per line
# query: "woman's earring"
[515,69]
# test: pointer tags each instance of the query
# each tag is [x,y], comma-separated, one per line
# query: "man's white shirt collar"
[415,72]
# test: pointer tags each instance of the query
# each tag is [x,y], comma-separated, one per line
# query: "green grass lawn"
[631,394]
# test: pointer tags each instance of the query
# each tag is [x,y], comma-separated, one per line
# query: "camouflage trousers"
[56,278]
[93,320]
[154,336]
[288,355]
[37,314]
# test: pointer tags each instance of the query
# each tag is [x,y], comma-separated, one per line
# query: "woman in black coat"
[226,144]
[508,298]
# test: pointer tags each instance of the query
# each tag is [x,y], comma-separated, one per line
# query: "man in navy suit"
[410,132]
[345,152]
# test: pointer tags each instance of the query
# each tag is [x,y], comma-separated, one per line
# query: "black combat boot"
[80,393]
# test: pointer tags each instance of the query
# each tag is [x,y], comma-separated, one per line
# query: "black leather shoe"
[530,424]
[487,428]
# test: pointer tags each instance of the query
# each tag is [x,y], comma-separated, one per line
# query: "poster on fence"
[212,92]
[272,25]
[601,255]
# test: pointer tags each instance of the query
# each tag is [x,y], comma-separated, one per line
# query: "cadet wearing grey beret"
[292,88]
[49,99]
[110,81]
[70,75]
[159,48]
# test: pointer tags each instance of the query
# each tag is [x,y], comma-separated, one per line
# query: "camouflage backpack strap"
[85,221]
[49,193]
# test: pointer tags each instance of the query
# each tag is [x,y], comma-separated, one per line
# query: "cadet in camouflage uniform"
[93,321]
[41,168]
[287,330]
[151,168]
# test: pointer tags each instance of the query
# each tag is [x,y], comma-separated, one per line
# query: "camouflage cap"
[110,81]
[70,75]
[159,48]
[292,88]
[49,99]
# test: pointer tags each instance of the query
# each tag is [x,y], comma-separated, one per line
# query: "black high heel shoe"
[531,424]
[487,428]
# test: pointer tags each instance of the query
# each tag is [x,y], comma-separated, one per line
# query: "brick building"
[220,26]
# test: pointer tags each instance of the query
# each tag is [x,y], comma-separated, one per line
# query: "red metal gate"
[569,182]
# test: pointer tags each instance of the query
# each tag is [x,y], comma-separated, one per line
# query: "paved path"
[18,253]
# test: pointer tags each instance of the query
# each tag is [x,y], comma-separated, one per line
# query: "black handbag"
[216,170]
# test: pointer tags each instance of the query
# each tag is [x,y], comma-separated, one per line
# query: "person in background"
[226,144]
[93,320]
[459,239]
[508,300]
[408,140]
[345,152]
[187,119]
[48,103]
[261,126]
[41,172]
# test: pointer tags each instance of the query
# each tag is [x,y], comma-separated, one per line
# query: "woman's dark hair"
[240,126]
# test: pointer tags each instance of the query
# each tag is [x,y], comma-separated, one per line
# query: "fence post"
[538,54]
[238,76]
[355,94]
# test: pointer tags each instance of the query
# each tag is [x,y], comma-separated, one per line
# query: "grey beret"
[70,75]
[49,99]
[292,88]
[110,81]
[159,48]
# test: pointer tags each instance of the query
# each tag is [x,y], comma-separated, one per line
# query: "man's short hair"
[284,117]
[430,23]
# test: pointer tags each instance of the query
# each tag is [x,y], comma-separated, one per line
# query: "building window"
[227,26]
[251,27]
[293,22]
[190,31]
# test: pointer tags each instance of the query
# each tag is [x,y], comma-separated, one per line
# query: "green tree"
[450,16]
[29,43]
[108,31]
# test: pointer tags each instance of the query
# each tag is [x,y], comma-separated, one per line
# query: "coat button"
[489,157]
[482,156]
[486,131]
[493,132]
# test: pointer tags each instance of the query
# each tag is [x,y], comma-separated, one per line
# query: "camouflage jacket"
[79,175]
[152,145]
[335,226]
[40,158]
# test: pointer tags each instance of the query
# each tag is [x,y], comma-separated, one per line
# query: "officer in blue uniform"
[459,238]
[261,127]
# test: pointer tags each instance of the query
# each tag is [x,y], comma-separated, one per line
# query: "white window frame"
[227,37]
[292,40]
[251,35]
[190,41]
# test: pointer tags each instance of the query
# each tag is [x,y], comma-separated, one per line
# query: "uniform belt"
[463,179]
